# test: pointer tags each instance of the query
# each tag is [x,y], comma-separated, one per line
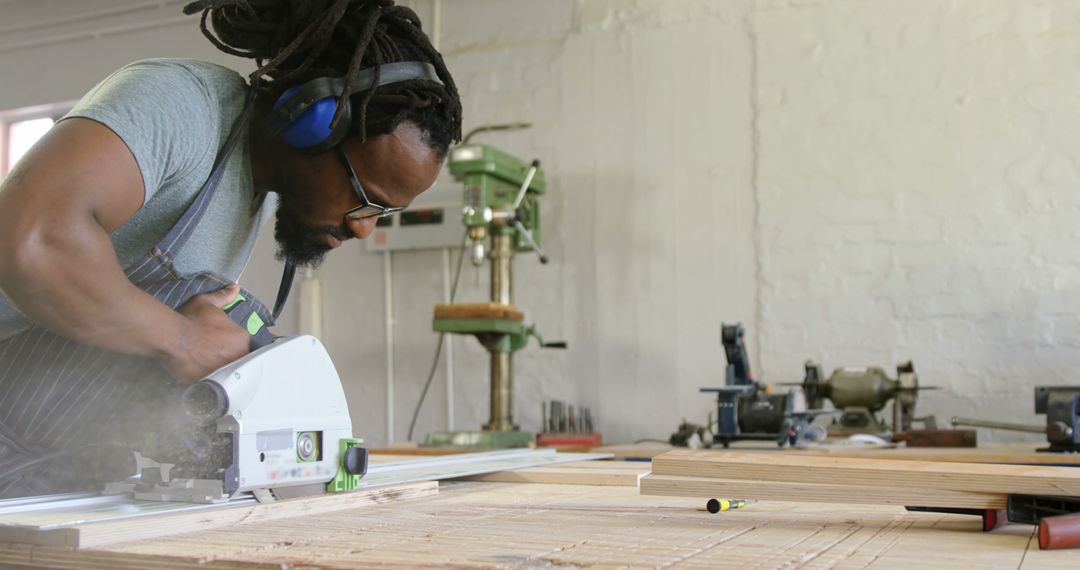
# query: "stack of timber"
[795,477]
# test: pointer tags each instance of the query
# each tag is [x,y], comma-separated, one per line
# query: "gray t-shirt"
[174,115]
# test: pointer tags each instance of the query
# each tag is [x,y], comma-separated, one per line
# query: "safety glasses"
[366,209]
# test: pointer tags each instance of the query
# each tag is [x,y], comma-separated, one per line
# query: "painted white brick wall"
[918,190]
[910,169]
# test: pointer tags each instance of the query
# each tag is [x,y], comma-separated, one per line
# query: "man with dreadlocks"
[123,230]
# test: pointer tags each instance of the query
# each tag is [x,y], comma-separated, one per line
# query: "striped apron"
[71,413]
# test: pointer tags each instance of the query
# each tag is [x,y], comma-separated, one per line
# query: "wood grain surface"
[521,525]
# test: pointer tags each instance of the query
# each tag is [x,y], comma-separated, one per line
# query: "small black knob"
[356,459]
[555,344]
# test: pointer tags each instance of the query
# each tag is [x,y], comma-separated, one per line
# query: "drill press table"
[478,311]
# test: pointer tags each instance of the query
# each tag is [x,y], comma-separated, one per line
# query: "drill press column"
[502,370]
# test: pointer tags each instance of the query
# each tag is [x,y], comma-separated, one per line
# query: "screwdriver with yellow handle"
[717,505]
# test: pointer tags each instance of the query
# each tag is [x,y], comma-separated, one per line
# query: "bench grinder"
[861,393]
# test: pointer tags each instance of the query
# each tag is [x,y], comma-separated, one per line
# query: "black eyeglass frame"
[373,210]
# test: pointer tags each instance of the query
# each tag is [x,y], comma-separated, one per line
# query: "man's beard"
[302,243]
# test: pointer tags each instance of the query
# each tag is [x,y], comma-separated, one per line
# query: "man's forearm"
[71,283]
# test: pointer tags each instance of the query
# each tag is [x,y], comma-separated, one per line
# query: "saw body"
[274,423]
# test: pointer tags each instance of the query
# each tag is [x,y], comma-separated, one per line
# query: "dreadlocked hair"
[293,41]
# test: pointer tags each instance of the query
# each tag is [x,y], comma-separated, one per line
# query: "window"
[21,128]
[21,135]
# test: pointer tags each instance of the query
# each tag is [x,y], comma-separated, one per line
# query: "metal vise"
[1061,404]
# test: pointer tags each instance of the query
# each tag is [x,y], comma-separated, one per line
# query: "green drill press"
[502,216]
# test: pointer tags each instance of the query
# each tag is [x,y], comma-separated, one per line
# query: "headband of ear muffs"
[303,113]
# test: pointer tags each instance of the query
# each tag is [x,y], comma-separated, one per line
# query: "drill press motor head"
[501,196]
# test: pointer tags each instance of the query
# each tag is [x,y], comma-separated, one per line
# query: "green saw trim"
[342,481]
[254,323]
[239,299]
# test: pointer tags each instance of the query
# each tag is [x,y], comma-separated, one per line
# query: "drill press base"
[479,439]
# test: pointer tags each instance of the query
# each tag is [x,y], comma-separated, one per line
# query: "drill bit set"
[567,427]
[558,417]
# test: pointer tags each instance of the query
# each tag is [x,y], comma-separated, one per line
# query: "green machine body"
[493,179]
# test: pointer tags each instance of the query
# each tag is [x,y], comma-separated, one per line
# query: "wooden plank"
[102,533]
[1016,454]
[947,438]
[16,556]
[1024,453]
[568,475]
[67,520]
[709,487]
[982,477]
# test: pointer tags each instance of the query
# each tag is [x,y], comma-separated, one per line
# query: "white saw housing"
[268,401]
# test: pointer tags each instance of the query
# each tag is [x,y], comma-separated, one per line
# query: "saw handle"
[242,311]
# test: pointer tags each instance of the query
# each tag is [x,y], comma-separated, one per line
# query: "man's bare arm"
[58,266]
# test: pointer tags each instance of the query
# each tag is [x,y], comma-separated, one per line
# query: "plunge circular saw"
[274,424]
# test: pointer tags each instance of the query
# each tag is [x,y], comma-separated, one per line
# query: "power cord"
[442,335]
[490,128]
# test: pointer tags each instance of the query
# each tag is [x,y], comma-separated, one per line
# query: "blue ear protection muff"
[303,113]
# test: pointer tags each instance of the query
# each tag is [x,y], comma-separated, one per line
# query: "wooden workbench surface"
[505,525]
